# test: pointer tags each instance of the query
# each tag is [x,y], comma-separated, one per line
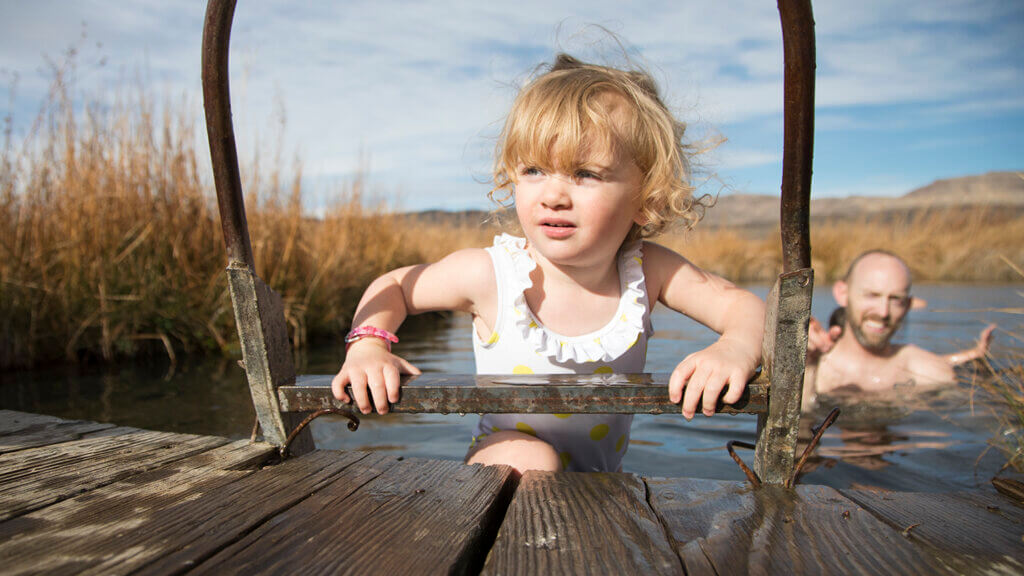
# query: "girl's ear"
[640,219]
[841,292]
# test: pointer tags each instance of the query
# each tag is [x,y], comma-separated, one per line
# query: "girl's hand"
[707,372]
[371,370]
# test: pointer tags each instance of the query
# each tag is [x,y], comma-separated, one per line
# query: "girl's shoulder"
[656,257]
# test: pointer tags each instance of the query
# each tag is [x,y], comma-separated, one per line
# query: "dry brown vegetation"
[968,244]
[110,244]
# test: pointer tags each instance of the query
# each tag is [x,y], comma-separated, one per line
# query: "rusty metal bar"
[798,153]
[817,431]
[751,477]
[544,394]
[353,425]
[221,133]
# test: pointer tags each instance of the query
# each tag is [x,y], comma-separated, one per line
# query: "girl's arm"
[736,314]
[462,281]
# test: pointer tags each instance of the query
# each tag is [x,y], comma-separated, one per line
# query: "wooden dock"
[87,498]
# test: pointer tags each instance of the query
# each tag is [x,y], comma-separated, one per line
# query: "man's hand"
[979,351]
[819,340]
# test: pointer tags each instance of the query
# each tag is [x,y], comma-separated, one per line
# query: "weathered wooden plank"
[36,477]
[548,393]
[1012,488]
[160,522]
[20,430]
[576,523]
[266,353]
[13,421]
[773,530]
[783,353]
[981,534]
[417,517]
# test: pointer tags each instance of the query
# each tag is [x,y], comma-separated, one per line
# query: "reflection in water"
[923,441]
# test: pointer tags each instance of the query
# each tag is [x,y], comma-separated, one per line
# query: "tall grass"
[957,245]
[110,243]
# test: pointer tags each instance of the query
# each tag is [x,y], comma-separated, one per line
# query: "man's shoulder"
[923,366]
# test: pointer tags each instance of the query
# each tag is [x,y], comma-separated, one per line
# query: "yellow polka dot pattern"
[562,416]
[525,428]
[597,433]
[521,369]
[565,458]
[604,370]
[477,439]
[492,339]
[620,443]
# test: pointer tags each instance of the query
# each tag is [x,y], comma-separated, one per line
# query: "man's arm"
[979,350]
[926,368]
[819,341]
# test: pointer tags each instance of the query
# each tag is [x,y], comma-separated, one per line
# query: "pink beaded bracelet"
[363,331]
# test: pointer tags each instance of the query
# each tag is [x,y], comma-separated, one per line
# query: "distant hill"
[1004,190]
[755,212]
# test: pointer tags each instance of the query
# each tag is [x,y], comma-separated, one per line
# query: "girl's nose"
[556,192]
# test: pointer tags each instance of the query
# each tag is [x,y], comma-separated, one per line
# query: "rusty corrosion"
[754,480]
[221,133]
[353,424]
[541,394]
[818,431]
[798,150]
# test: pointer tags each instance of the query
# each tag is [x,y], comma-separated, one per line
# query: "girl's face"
[580,218]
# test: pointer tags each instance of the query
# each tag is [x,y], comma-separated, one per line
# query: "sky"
[908,91]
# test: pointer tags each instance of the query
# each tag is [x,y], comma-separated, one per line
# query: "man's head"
[876,294]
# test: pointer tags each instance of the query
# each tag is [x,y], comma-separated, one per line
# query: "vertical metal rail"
[221,132]
[789,303]
[259,314]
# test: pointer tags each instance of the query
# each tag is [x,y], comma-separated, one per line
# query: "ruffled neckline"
[603,345]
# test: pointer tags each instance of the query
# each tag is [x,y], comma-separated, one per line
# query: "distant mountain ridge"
[994,189]
[755,212]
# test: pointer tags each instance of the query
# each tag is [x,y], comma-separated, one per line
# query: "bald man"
[860,354]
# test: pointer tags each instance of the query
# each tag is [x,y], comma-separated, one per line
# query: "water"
[934,443]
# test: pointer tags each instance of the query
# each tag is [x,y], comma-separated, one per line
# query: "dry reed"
[110,244]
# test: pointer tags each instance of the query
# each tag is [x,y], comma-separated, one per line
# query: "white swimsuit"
[520,344]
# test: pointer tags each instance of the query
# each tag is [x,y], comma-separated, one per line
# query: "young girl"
[594,162]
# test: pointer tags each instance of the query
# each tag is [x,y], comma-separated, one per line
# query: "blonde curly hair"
[566,109]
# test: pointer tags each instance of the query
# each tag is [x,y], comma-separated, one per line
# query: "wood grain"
[812,530]
[163,521]
[416,517]
[581,523]
[979,532]
[36,477]
[20,430]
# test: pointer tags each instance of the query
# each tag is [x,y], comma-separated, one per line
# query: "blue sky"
[908,91]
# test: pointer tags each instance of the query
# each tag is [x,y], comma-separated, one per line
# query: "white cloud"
[422,87]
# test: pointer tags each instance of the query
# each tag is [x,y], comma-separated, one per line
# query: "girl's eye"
[530,171]
[586,175]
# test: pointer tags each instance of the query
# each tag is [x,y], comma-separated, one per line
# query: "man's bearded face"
[872,329]
[877,303]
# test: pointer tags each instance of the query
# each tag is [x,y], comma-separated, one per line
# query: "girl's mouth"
[557,229]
